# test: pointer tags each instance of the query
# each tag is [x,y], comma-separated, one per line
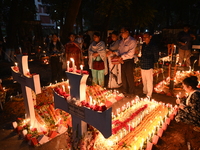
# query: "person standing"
[56,50]
[114,69]
[97,59]
[126,53]
[149,56]
[185,45]
[73,50]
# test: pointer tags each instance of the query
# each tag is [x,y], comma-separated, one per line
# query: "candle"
[69,89]
[24,132]
[15,125]
[189,68]
[16,64]
[67,65]
[81,66]
[177,96]
[90,100]
[73,64]
[174,48]
[62,80]
[63,86]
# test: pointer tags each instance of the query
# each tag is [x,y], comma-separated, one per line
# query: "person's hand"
[178,101]
[95,54]
[121,60]
[181,106]
[182,43]
[108,53]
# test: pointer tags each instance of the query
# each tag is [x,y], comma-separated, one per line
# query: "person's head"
[147,37]
[186,28]
[114,36]
[125,32]
[72,37]
[190,83]
[96,36]
[54,37]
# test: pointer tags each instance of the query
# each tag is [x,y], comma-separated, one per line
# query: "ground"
[178,136]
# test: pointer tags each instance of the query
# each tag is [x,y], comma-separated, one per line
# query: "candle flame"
[72,59]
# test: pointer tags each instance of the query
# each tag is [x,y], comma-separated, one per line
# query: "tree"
[15,12]
[70,19]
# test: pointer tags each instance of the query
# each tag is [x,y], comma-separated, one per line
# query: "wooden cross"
[82,115]
[28,83]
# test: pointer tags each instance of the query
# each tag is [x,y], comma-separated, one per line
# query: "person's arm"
[194,103]
[129,54]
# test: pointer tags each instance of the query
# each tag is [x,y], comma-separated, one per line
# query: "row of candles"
[73,65]
[134,123]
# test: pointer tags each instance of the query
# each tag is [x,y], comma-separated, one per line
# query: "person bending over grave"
[189,107]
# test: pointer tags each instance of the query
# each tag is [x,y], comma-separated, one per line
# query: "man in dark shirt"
[149,56]
[185,45]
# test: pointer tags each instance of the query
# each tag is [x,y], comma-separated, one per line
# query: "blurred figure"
[109,39]
[114,69]
[9,51]
[185,38]
[189,107]
[97,59]
[87,39]
[73,50]
[80,40]
[2,49]
[56,50]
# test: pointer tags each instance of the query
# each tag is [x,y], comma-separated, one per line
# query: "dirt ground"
[178,136]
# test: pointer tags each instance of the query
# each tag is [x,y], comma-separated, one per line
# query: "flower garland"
[124,123]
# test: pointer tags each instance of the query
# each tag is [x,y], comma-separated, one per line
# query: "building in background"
[42,16]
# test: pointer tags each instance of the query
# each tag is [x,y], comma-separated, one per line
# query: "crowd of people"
[116,60]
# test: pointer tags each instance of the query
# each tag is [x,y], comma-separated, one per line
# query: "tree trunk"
[70,19]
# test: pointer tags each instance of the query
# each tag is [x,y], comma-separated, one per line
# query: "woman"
[114,69]
[73,50]
[97,59]
[56,50]
[189,107]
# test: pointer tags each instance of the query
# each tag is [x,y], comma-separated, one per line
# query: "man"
[126,53]
[185,45]
[149,56]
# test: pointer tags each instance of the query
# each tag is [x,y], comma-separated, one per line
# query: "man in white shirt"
[126,53]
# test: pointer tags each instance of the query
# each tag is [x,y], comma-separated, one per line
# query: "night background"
[19,19]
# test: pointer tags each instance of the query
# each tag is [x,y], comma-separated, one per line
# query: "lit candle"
[174,48]
[63,86]
[177,96]
[16,64]
[69,89]
[90,100]
[81,66]
[73,64]
[189,68]
[62,80]
[67,65]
